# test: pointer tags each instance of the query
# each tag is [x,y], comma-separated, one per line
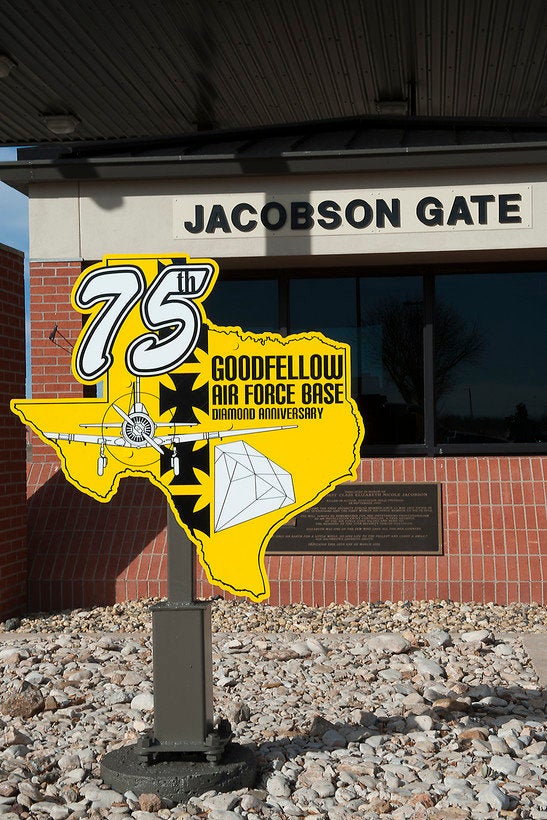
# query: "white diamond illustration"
[247,485]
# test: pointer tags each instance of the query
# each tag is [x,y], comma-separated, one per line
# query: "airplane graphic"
[137,430]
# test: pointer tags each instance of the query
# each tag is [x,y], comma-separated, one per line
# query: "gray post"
[183,701]
[183,675]
[180,563]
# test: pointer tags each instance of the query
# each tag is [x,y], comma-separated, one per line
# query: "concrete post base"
[177,777]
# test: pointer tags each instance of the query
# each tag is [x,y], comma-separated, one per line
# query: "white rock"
[143,702]
[9,652]
[74,776]
[36,678]
[132,679]
[503,764]
[225,802]
[438,638]
[324,788]
[353,687]
[251,803]
[536,749]
[498,745]
[502,650]
[230,646]
[315,646]
[477,635]
[68,761]
[422,723]
[388,643]
[225,681]
[433,693]
[145,815]
[494,797]
[492,700]
[79,676]
[100,798]
[278,785]
[301,648]
[54,810]
[30,790]
[428,668]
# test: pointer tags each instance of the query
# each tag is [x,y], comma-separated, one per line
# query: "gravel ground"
[396,710]
[243,616]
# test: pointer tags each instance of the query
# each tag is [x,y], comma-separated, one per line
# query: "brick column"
[13,547]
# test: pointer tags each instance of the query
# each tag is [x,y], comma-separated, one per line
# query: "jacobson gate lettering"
[444,209]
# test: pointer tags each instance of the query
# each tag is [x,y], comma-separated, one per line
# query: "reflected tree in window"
[456,344]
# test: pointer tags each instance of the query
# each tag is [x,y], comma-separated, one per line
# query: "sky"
[13,211]
[14,233]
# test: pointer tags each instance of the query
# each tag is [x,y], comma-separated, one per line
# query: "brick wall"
[13,551]
[494,532]
[50,288]
[83,552]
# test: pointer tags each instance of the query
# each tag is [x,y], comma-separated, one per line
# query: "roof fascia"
[22,174]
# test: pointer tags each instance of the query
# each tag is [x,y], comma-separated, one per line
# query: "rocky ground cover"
[400,710]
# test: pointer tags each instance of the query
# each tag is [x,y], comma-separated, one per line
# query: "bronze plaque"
[367,519]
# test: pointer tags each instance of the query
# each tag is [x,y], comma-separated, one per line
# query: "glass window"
[381,318]
[327,305]
[486,348]
[390,376]
[251,304]
[490,354]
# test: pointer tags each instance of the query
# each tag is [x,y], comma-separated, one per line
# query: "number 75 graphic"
[166,305]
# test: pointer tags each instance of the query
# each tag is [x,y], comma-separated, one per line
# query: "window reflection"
[381,318]
[251,304]
[391,389]
[496,390]
[489,351]
[327,305]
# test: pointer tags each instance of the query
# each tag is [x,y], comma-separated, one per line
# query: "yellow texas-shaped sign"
[240,431]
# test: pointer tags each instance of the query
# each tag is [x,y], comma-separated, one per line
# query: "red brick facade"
[13,549]
[494,532]
[83,552]
[50,289]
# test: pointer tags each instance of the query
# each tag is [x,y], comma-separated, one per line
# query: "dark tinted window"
[390,388]
[251,304]
[485,386]
[327,305]
[491,373]
[381,318]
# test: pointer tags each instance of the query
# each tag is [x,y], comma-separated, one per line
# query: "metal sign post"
[184,754]
[183,679]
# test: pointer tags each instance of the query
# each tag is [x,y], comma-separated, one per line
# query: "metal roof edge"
[11,249]
[23,173]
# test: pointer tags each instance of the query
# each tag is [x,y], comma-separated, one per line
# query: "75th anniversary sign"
[240,431]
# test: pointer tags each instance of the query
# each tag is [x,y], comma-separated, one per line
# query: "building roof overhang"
[321,148]
[107,71]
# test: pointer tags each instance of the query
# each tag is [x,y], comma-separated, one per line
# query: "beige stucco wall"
[86,220]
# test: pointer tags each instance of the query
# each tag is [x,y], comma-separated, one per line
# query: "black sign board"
[367,519]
